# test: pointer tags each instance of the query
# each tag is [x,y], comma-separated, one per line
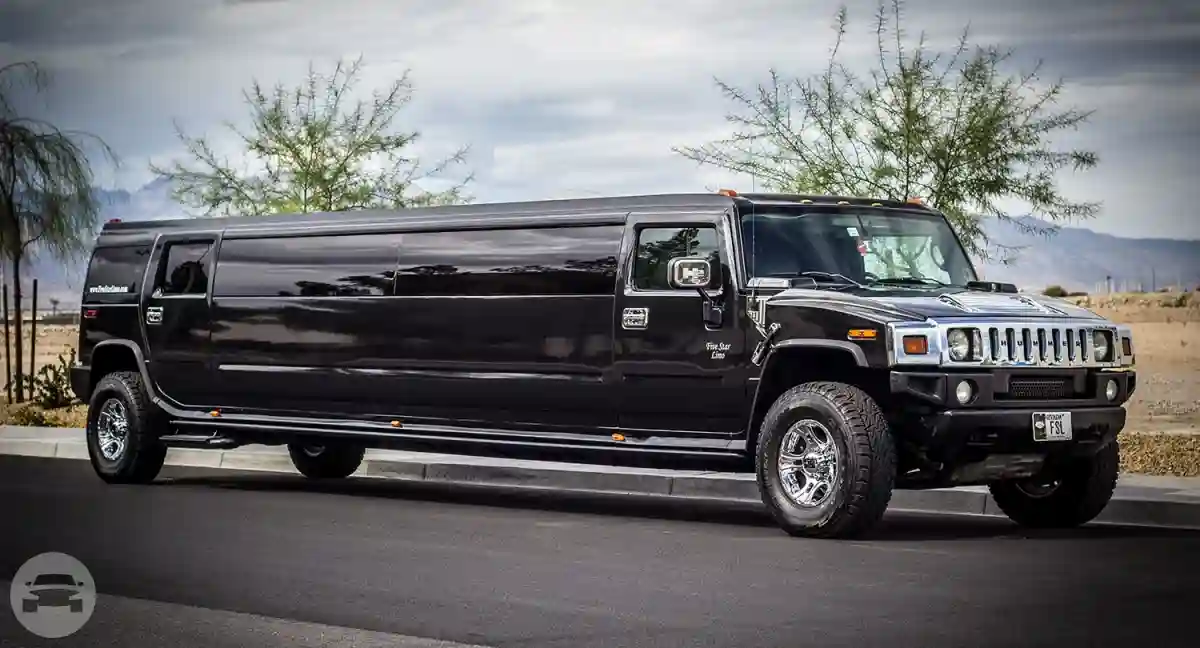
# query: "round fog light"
[1110,390]
[964,392]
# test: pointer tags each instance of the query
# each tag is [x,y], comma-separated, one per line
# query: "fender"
[151,390]
[860,360]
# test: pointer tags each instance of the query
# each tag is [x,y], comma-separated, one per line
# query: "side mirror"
[689,273]
[696,273]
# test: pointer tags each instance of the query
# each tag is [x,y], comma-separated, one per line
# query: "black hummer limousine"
[838,347]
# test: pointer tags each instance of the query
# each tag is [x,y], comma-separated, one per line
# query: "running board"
[214,441]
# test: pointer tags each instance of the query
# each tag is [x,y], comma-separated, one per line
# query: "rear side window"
[572,260]
[115,274]
[184,270]
[348,265]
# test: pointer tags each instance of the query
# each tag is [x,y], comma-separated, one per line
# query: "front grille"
[1040,389]
[1035,345]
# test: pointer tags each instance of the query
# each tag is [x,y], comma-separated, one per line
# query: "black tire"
[142,456]
[1085,487]
[329,460]
[866,451]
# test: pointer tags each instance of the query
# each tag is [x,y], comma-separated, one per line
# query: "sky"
[564,98]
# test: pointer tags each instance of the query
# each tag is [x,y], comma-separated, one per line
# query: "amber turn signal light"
[916,344]
[862,334]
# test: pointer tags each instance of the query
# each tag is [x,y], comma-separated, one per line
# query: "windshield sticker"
[852,231]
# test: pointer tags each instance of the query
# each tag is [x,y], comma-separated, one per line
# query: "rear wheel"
[122,434]
[826,461]
[326,460]
[1074,494]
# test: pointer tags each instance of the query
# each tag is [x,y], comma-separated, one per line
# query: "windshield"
[864,245]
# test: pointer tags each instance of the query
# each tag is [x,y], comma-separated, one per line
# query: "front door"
[177,317]
[675,372]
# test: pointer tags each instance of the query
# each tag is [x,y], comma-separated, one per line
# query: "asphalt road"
[215,559]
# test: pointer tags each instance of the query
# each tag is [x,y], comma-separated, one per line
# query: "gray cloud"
[570,98]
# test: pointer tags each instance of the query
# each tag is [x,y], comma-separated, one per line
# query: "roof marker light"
[728,192]
[915,201]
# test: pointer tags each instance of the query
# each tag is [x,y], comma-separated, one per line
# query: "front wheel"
[1072,495]
[326,461]
[826,461]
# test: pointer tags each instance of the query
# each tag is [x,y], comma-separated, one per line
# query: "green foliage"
[955,131]
[315,150]
[1055,291]
[51,386]
[46,197]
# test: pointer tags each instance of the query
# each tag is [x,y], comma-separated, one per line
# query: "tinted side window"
[184,269]
[658,245]
[358,265]
[544,261]
[115,273]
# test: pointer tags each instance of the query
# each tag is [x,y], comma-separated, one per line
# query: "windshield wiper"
[921,281]
[814,274]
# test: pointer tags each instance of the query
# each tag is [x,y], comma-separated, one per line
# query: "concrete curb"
[1161,509]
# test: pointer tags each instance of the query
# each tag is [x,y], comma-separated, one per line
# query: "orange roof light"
[915,201]
[728,192]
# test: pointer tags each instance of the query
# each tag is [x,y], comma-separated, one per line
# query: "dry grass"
[1166,330]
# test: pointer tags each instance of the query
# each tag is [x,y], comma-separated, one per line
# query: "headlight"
[1103,347]
[960,345]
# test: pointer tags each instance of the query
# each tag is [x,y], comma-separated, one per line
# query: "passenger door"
[675,372]
[177,317]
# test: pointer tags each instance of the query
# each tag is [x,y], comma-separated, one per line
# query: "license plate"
[1051,426]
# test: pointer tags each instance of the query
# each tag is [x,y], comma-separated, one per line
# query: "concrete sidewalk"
[1139,500]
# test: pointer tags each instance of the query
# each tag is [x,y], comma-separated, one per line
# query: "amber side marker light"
[618,436]
[916,345]
[214,413]
[396,424]
[863,334]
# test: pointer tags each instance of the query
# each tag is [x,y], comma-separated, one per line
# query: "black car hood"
[937,304]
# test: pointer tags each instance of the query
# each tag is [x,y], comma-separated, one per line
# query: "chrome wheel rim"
[112,429]
[809,463]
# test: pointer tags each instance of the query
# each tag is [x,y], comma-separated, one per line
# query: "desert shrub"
[27,415]
[1177,301]
[52,383]
[1055,291]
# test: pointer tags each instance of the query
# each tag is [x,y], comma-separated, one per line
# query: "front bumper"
[999,420]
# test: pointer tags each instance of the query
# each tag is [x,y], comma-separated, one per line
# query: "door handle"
[635,318]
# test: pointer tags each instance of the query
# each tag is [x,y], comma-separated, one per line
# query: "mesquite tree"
[314,148]
[953,129]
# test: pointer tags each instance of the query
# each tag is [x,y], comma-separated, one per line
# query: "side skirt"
[660,452]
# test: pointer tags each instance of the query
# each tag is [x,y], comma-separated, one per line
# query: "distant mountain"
[1080,259]
[1075,258]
